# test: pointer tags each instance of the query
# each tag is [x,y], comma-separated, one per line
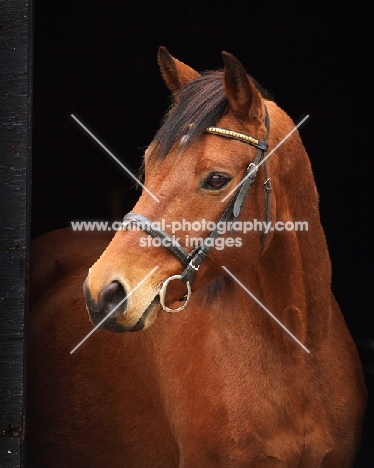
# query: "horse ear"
[243,96]
[175,73]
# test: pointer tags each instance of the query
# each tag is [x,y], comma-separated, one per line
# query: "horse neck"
[294,274]
[292,277]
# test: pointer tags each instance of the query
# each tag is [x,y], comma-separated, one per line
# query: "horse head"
[198,171]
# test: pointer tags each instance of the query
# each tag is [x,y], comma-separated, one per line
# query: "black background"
[97,60]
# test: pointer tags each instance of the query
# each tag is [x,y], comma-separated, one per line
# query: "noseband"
[192,260]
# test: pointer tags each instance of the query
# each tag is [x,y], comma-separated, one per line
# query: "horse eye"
[216,181]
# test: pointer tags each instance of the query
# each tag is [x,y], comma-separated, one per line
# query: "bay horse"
[257,368]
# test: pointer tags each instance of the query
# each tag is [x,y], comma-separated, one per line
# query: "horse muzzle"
[110,311]
[110,306]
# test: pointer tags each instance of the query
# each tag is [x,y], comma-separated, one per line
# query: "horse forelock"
[198,105]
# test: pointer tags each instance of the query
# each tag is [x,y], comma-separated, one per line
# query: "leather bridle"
[192,260]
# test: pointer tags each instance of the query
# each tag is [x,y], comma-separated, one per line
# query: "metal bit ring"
[163,294]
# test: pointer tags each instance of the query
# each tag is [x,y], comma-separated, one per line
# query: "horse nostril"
[110,305]
[111,296]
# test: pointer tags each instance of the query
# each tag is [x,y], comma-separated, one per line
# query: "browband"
[238,136]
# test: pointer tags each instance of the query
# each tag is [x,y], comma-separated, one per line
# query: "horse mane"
[197,105]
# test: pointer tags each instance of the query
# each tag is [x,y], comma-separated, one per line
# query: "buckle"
[252,170]
[192,265]
[267,184]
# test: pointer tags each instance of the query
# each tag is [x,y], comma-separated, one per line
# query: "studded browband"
[261,144]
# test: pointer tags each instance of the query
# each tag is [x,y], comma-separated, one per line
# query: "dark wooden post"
[15,155]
